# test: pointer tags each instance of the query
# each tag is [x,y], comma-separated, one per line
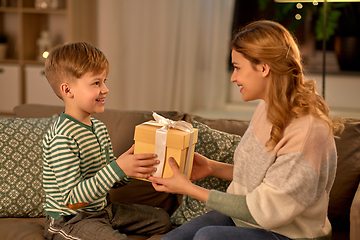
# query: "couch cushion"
[22,229]
[37,111]
[21,162]
[233,126]
[347,176]
[33,229]
[216,145]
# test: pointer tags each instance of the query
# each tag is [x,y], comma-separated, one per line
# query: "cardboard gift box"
[178,143]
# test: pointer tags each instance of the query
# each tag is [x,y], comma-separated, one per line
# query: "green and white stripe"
[79,166]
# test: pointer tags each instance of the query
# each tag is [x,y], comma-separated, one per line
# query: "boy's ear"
[65,90]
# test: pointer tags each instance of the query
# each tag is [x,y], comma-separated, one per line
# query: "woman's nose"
[233,78]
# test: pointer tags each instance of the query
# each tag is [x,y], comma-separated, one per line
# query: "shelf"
[43,11]
[9,9]
[23,24]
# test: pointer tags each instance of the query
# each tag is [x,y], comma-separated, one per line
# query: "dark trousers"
[114,222]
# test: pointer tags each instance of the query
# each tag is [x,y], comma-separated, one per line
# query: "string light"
[299,6]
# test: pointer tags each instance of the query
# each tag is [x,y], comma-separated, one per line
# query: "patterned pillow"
[21,162]
[216,145]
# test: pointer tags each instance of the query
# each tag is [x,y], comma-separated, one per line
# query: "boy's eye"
[96,83]
[235,67]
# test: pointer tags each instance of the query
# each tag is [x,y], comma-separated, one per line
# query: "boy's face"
[88,95]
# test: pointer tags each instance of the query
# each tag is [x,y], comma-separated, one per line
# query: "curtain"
[166,54]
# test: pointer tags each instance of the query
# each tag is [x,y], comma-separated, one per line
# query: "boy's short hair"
[71,61]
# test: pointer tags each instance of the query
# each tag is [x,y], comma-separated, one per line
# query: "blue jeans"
[214,226]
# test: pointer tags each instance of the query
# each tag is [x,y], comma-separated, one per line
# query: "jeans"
[112,223]
[214,226]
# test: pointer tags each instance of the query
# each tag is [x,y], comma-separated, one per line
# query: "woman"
[285,164]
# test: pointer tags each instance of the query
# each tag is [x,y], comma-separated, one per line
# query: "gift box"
[167,138]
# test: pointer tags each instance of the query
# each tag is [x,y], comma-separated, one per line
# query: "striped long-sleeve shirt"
[285,190]
[79,167]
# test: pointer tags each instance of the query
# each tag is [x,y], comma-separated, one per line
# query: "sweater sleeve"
[231,205]
[76,190]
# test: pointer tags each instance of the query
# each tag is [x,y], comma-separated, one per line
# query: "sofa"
[21,193]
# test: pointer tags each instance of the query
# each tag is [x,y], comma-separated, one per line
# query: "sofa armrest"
[355,216]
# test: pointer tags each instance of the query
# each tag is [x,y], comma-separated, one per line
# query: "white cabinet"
[9,87]
[38,90]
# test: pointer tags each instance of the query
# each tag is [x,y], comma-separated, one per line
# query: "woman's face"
[253,81]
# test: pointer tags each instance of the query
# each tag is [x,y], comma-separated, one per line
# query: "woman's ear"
[265,69]
[65,90]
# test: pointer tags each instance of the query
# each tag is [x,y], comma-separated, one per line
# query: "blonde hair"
[290,95]
[68,62]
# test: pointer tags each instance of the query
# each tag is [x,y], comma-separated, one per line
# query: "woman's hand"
[179,183]
[204,167]
[137,165]
[201,167]
[176,184]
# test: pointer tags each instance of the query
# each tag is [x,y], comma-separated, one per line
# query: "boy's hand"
[137,165]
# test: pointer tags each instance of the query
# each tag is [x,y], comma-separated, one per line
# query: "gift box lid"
[175,138]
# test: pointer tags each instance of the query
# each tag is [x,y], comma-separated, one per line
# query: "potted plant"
[342,26]
[3,45]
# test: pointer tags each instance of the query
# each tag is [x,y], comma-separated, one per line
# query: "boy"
[79,165]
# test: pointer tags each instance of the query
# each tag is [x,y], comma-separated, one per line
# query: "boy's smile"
[102,100]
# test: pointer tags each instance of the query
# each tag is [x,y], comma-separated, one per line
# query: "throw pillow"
[216,145]
[21,163]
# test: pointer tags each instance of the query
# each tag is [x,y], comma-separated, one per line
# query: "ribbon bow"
[168,123]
